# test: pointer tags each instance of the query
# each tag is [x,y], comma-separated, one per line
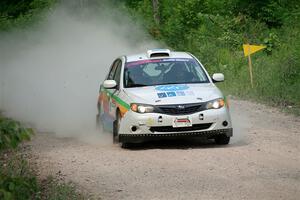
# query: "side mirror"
[109,84]
[218,77]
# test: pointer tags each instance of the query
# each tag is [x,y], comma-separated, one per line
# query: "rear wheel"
[222,139]
[116,127]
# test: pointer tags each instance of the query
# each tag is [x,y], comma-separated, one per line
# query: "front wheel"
[222,139]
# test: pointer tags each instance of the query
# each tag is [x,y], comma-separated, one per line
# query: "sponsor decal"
[140,62]
[124,107]
[170,88]
[171,94]
[176,59]
[175,93]
[162,95]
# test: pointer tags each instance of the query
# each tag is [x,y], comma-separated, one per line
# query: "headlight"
[215,104]
[141,108]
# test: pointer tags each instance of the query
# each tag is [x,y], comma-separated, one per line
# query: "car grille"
[180,109]
[195,127]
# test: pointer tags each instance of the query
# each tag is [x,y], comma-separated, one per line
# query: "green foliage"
[16,13]
[272,41]
[16,179]
[12,133]
[17,187]
[56,190]
[214,31]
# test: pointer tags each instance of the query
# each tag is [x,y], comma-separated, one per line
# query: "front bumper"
[136,138]
[152,126]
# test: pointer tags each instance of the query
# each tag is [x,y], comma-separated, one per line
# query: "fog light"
[134,128]
[225,123]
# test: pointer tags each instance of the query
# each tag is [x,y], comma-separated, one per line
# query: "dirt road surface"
[262,162]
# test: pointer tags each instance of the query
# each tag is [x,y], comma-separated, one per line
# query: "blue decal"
[180,93]
[171,94]
[161,95]
[172,87]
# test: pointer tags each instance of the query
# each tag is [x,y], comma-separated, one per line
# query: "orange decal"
[122,109]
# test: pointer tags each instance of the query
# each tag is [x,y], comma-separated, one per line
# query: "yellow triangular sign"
[250,49]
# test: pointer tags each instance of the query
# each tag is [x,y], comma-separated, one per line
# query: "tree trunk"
[155,4]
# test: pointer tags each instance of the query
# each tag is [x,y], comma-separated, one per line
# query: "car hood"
[173,94]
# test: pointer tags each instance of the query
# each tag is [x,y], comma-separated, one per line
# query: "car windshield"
[162,72]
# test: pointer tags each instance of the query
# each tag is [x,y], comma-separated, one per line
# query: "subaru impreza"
[162,94]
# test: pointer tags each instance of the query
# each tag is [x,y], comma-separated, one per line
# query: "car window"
[196,71]
[163,71]
[118,72]
[112,70]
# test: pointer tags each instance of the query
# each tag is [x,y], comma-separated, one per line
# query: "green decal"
[118,100]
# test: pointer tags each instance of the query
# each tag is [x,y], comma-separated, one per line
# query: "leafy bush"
[12,133]
[19,182]
[16,179]
[17,187]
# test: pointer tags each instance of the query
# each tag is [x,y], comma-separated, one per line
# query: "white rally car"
[162,94]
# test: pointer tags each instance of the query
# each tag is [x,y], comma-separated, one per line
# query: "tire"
[116,128]
[222,139]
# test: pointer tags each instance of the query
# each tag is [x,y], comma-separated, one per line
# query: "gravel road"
[261,162]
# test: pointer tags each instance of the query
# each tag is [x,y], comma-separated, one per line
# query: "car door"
[115,92]
[108,96]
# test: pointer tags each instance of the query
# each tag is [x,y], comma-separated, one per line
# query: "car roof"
[147,55]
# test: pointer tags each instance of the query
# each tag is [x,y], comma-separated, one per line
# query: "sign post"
[248,50]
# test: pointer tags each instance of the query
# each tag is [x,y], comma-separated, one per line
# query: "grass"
[12,133]
[53,189]
[18,180]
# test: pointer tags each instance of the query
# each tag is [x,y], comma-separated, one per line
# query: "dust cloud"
[241,122]
[50,74]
